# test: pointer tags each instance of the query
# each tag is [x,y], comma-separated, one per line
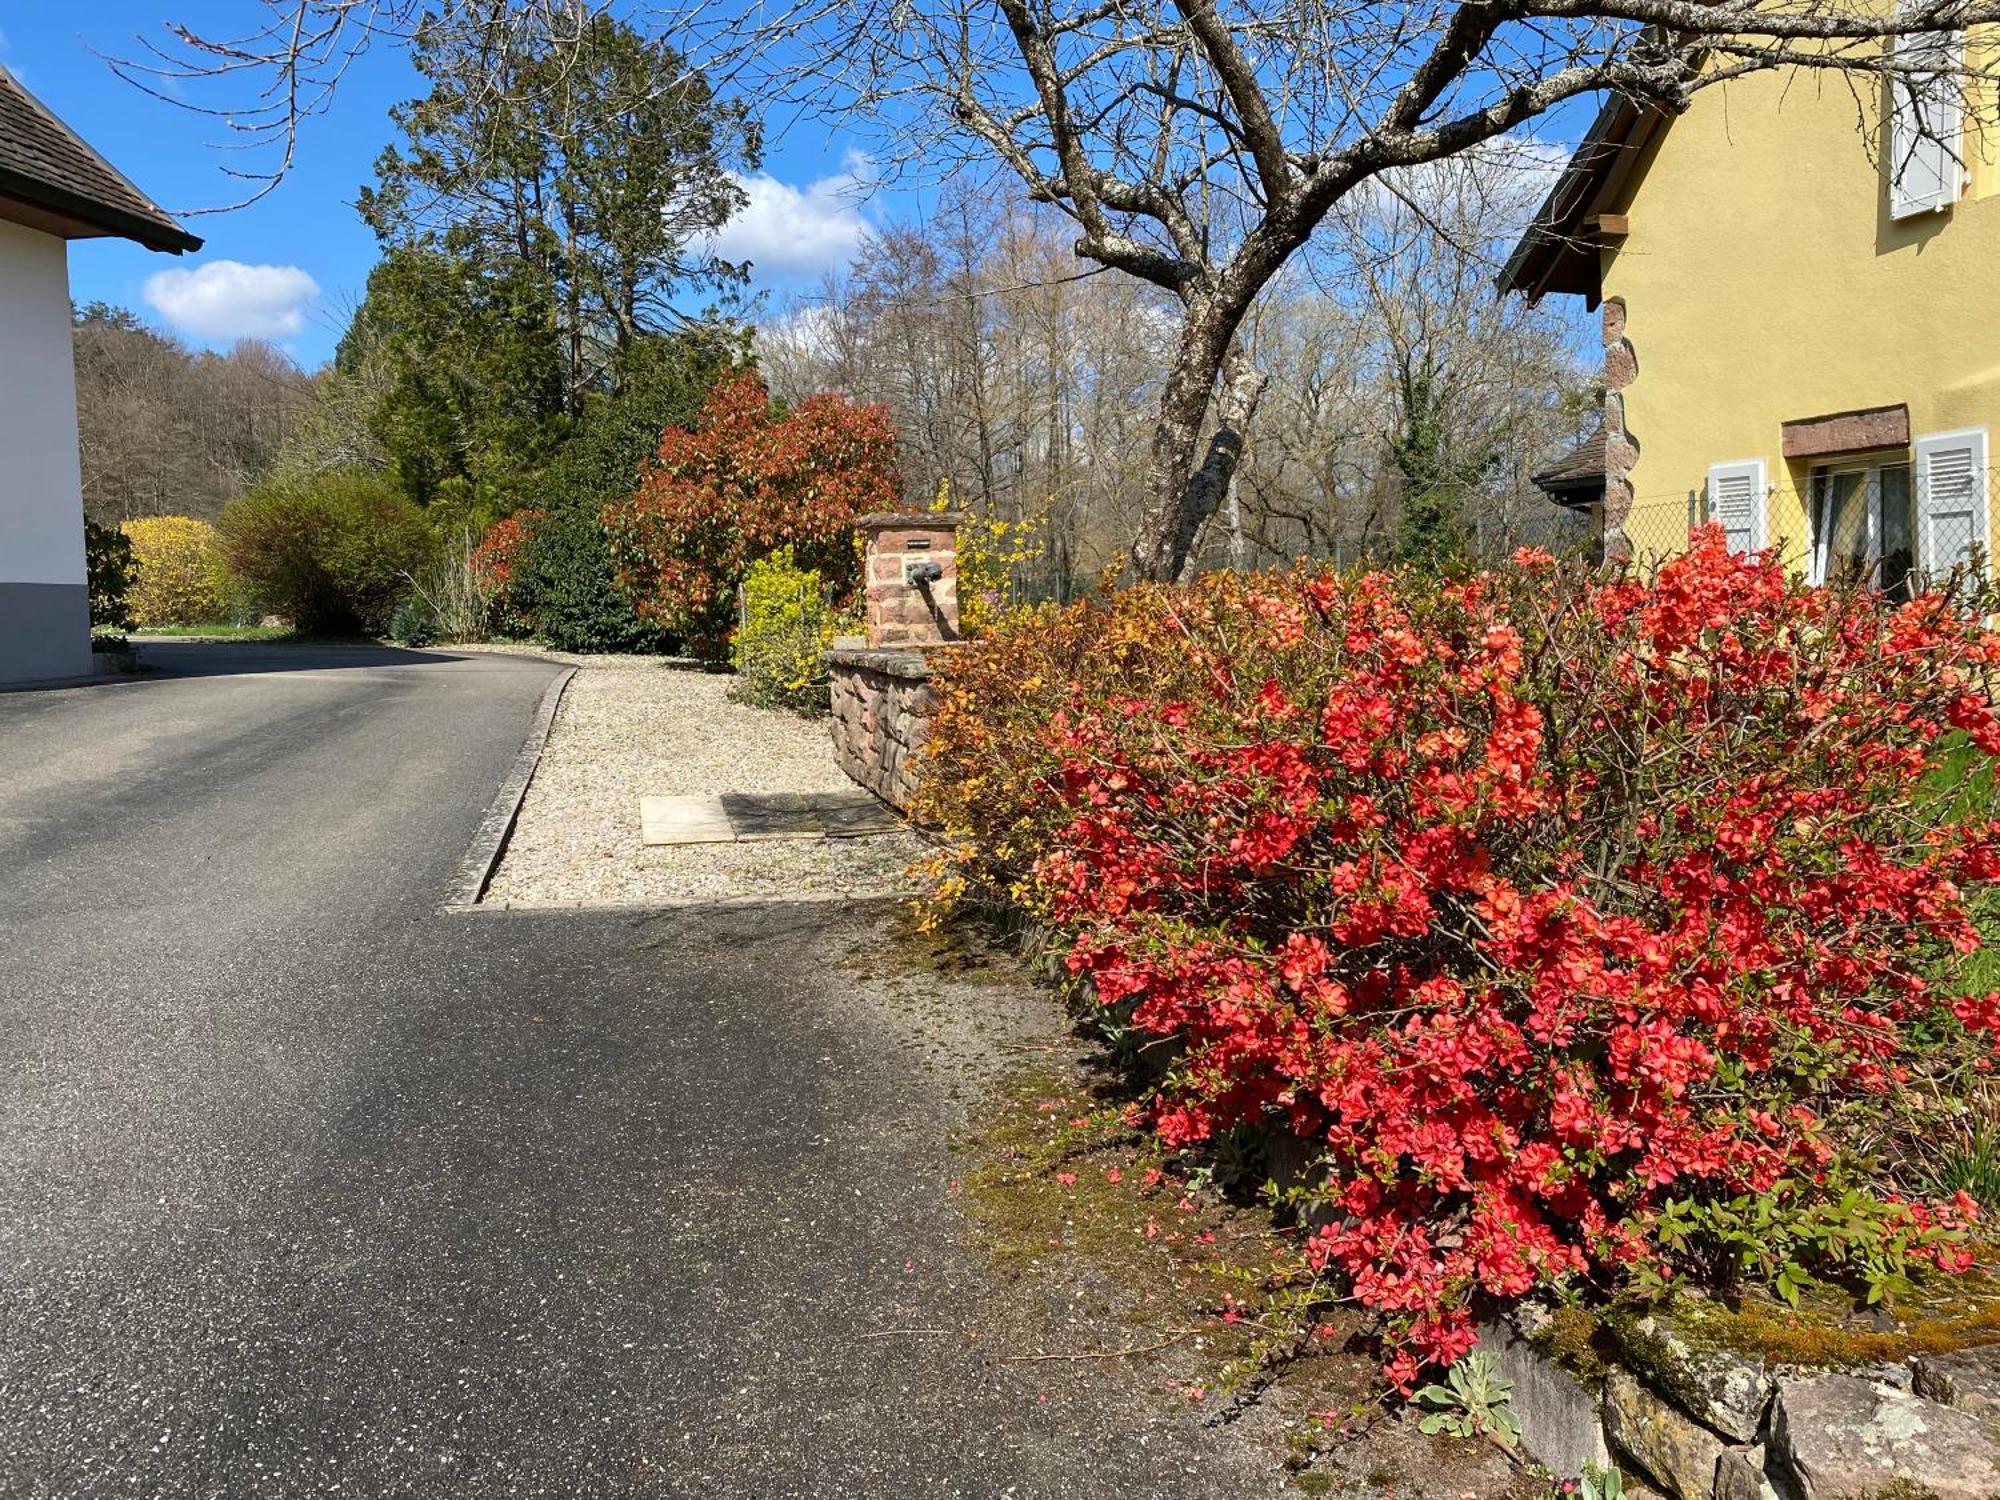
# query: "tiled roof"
[45,164]
[1559,250]
[1582,466]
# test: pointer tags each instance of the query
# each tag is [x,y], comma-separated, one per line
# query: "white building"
[53,188]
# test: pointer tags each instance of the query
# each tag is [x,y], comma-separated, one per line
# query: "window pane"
[1844,515]
[1898,531]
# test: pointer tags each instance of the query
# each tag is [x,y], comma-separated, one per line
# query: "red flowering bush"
[494,561]
[743,483]
[1570,917]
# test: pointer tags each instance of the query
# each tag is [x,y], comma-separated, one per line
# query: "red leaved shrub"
[1569,917]
[743,483]
[494,561]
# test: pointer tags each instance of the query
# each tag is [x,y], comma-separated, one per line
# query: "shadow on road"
[230,658]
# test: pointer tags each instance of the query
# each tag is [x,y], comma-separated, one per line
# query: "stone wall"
[1703,1423]
[882,706]
[1621,449]
[912,583]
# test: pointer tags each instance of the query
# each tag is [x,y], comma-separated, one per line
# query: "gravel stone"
[637,726]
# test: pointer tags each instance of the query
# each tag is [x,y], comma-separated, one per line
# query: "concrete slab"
[684,820]
[754,817]
[853,815]
[772,815]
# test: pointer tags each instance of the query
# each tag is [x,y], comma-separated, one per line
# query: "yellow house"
[1800,284]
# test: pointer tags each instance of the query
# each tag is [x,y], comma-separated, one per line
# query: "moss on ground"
[1059,1172]
[1576,1339]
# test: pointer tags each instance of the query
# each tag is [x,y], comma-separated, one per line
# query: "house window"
[1894,524]
[1926,121]
[1864,527]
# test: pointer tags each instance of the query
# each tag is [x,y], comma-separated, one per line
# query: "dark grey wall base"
[44,631]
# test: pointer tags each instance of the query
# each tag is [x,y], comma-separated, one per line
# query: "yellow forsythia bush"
[992,556]
[180,571]
[787,622]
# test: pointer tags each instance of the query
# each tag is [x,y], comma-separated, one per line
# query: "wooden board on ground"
[754,817]
[684,820]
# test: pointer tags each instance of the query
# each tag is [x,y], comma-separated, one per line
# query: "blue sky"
[288,267]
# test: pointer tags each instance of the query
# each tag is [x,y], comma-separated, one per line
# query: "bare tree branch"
[1197,145]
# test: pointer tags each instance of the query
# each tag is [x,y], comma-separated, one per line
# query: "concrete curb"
[482,856]
[869,899]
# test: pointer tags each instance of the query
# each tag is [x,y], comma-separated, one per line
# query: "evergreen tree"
[542,223]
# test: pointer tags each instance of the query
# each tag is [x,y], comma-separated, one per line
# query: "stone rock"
[1729,1391]
[883,703]
[1557,1412]
[1671,1446]
[1901,1377]
[1740,1476]
[1968,1379]
[1842,1438]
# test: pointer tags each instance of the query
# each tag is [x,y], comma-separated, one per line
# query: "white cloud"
[225,300]
[1505,178]
[786,230]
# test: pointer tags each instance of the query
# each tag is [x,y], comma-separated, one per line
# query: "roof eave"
[162,235]
[1557,253]
[1566,483]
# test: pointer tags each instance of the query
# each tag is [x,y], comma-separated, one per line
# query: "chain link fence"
[1878,526]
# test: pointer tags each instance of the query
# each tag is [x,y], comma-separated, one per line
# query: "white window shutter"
[1952,482]
[1736,503]
[1926,121]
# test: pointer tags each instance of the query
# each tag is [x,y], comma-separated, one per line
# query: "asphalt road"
[306,1188]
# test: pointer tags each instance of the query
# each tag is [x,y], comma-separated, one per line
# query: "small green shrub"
[1472,1401]
[413,623]
[331,552]
[561,587]
[110,572]
[787,624]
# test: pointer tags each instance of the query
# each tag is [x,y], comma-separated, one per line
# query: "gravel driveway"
[631,727]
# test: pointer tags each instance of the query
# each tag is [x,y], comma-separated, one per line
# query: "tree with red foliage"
[493,561]
[742,483]
[1591,928]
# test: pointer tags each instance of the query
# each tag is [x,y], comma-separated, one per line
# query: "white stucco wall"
[41,486]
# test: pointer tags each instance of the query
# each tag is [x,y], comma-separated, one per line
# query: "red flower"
[1535,902]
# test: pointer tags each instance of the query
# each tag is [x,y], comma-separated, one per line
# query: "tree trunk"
[1181,494]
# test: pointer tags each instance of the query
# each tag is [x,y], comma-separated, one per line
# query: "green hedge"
[330,552]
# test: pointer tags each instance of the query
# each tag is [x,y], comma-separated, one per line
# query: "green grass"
[1966,1158]
[1969,791]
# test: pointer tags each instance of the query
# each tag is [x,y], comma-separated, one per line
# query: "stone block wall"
[1621,449]
[882,706]
[906,607]
[1703,1423]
